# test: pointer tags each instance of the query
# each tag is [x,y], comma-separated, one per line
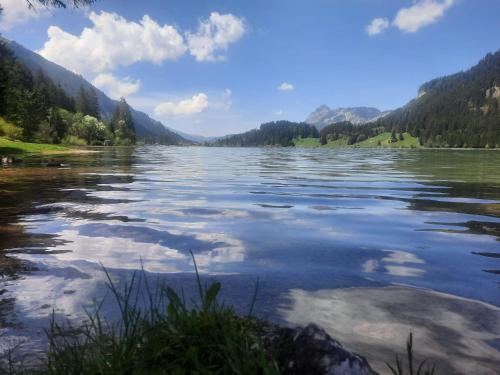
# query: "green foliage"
[398,369]
[10,130]
[8,146]
[83,127]
[73,141]
[28,102]
[347,130]
[306,142]
[454,111]
[86,102]
[122,124]
[167,337]
[279,133]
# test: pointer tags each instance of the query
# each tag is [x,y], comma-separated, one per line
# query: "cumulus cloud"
[422,13]
[377,26]
[196,104]
[411,19]
[16,12]
[113,41]
[211,41]
[116,87]
[285,86]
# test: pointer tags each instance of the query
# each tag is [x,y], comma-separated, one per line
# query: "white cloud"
[212,39]
[113,41]
[279,112]
[422,13]
[116,87]
[285,86]
[196,104]
[377,26]
[16,12]
[411,19]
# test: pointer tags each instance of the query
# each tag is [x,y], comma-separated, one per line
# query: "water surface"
[305,222]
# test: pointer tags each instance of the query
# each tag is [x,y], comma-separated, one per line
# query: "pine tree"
[93,103]
[393,136]
[122,124]
[82,101]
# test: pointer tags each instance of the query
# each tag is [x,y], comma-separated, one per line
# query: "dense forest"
[461,110]
[34,108]
[279,133]
[347,130]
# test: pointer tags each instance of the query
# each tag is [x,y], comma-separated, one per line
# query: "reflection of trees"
[461,174]
[31,188]
[455,174]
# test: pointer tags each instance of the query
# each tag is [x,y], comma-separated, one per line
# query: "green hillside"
[381,140]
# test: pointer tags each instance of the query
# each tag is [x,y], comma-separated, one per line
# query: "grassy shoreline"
[9,147]
[380,141]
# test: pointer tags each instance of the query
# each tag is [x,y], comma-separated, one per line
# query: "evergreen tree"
[93,103]
[393,136]
[279,133]
[82,101]
[122,124]
[86,102]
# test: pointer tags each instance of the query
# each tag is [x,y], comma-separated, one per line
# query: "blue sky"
[216,67]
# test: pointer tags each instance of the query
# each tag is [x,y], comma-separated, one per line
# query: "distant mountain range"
[147,129]
[324,116]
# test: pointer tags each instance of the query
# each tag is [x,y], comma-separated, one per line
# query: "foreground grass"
[164,336]
[8,146]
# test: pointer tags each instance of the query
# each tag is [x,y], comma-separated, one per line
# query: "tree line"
[38,110]
[278,133]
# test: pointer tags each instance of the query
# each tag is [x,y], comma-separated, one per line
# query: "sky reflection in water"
[300,220]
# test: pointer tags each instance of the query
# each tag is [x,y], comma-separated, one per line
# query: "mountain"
[324,116]
[194,137]
[460,110]
[147,129]
[279,133]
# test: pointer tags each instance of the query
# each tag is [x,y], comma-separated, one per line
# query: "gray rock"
[312,351]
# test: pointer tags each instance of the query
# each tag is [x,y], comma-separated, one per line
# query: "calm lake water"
[308,223]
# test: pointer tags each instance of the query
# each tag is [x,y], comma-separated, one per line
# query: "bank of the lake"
[10,147]
[383,140]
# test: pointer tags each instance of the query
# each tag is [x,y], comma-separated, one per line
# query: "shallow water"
[296,219]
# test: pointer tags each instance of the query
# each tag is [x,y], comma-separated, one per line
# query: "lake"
[368,243]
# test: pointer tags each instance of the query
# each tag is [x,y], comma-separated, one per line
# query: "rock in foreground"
[312,351]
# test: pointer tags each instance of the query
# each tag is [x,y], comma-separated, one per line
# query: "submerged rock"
[7,159]
[312,351]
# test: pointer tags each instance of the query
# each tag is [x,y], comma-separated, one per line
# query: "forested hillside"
[147,129]
[279,133]
[34,108]
[461,110]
